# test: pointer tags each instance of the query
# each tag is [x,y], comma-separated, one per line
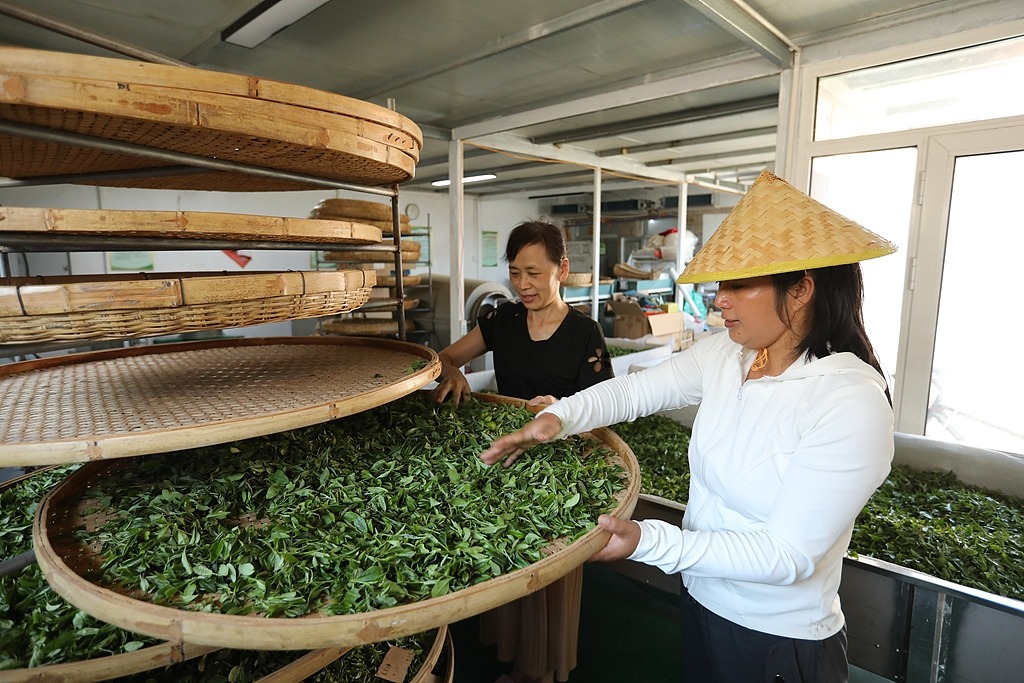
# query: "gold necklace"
[761,361]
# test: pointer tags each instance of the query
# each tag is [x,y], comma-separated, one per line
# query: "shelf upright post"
[396,236]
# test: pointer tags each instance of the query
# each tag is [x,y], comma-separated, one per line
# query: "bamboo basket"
[184,225]
[209,114]
[64,559]
[153,399]
[578,279]
[67,308]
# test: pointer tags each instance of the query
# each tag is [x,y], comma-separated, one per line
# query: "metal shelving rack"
[178,163]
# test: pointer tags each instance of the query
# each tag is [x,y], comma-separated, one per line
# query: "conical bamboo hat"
[776,228]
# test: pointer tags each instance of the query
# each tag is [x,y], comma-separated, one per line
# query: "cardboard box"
[632,322]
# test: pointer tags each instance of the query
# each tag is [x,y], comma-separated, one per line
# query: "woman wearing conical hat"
[792,436]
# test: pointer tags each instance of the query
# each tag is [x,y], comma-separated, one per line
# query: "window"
[973,84]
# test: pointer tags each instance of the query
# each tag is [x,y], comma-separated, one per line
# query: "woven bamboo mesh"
[33,310]
[184,224]
[150,399]
[776,228]
[181,109]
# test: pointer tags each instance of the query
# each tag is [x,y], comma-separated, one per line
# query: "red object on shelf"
[241,259]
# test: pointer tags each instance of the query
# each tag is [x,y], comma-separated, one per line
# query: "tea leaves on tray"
[928,521]
[660,445]
[37,626]
[934,523]
[387,507]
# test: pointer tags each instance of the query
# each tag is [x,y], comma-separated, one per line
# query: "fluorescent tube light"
[467,179]
[266,19]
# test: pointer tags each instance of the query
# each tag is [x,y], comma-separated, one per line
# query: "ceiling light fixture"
[266,19]
[467,179]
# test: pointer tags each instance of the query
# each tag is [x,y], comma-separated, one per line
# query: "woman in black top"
[543,348]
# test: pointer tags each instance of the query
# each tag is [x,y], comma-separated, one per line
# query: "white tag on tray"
[395,666]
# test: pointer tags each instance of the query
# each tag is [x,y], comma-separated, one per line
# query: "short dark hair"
[536,232]
[837,312]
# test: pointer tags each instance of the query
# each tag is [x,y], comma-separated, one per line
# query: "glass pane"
[876,189]
[974,375]
[973,84]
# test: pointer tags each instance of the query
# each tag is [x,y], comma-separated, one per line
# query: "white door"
[963,367]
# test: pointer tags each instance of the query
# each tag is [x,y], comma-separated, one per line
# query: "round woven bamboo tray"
[63,559]
[390,281]
[205,113]
[352,209]
[362,327]
[578,279]
[386,227]
[65,308]
[408,256]
[159,398]
[186,225]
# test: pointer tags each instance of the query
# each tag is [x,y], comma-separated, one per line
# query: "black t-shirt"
[573,358]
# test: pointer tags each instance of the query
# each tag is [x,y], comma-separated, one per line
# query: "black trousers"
[715,650]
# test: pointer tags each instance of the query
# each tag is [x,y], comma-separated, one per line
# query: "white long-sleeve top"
[779,469]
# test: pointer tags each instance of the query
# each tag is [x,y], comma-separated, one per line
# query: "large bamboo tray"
[64,559]
[190,225]
[150,399]
[67,308]
[210,114]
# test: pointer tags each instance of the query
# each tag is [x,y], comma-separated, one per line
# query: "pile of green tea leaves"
[387,507]
[37,627]
[660,445]
[928,521]
[617,351]
[935,523]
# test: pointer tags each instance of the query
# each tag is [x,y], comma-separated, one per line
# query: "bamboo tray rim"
[84,448]
[255,632]
[135,291]
[67,65]
[109,667]
[185,224]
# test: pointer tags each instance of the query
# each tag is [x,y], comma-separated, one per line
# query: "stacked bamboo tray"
[206,114]
[121,123]
[367,323]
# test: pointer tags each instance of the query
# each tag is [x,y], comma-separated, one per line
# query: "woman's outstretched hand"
[540,429]
[623,542]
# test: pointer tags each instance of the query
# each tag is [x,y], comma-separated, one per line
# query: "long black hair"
[537,232]
[837,317]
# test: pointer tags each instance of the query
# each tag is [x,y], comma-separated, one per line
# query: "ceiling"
[646,89]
